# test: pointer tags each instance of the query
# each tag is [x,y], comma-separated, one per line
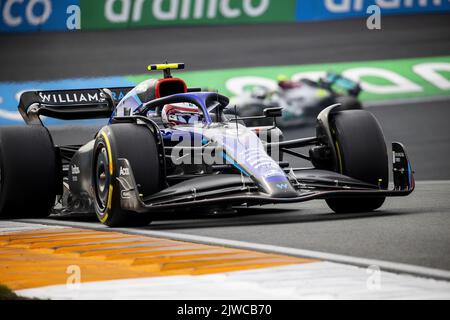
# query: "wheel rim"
[102,178]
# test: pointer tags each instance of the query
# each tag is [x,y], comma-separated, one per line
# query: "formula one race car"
[168,147]
[302,100]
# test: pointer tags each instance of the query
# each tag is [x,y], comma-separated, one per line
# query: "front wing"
[229,190]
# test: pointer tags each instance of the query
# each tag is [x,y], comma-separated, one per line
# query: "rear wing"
[70,104]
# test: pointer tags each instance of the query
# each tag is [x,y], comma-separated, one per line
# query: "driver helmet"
[282,77]
[180,114]
[285,83]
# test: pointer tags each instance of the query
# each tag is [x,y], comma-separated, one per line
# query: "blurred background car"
[301,100]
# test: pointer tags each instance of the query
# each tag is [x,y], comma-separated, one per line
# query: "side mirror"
[273,112]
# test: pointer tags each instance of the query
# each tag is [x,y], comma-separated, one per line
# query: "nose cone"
[279,189]
[245,151]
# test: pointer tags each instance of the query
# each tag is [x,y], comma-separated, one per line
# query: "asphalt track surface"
[62,55]
[413,230]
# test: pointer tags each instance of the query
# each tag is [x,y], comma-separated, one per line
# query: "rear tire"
[136,144]
[29,172]
[362,154]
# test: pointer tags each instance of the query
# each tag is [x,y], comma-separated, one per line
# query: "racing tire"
[29,172]
[136,144]
[362,154]
[348,103]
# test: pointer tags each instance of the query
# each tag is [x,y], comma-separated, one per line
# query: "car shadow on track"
[254,217]
[244,217]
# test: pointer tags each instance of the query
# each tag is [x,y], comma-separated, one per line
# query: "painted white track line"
[12,226]
[362,262]
[318,280]
[435,182]
[314,280]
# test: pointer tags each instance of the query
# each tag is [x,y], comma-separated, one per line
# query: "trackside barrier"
[65,15]
[310,10]
[35,15]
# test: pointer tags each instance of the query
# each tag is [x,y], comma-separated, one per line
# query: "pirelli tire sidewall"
[137,144]
[30,174]
[101,147]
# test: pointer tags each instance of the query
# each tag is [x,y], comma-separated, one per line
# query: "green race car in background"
[302,100]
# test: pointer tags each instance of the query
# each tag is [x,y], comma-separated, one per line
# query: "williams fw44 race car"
[167,147]
[302,100]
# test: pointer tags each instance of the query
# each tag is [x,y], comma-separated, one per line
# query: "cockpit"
[147,91]
[170,103]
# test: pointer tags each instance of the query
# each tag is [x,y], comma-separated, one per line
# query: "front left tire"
[136,144]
